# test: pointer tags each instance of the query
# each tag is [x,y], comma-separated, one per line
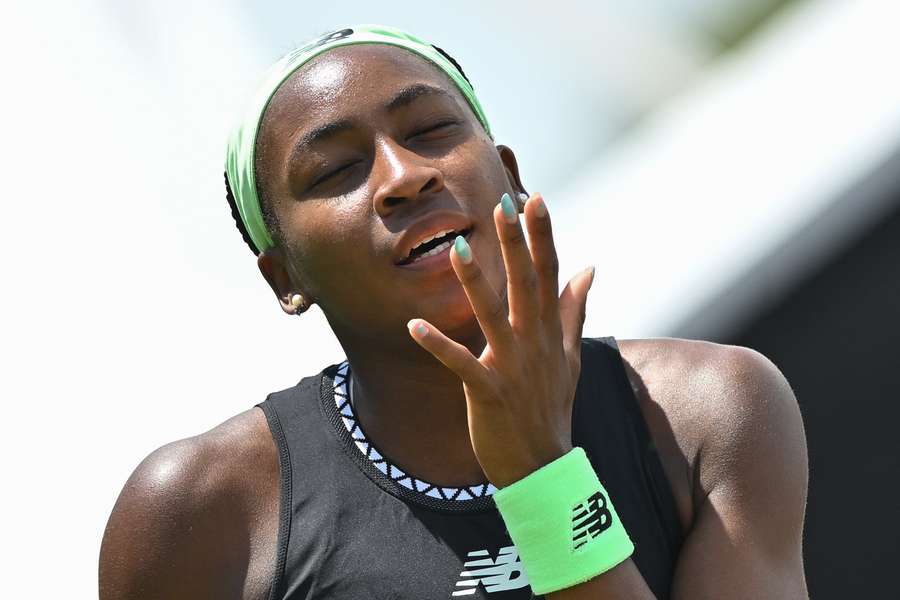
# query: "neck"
[413,409]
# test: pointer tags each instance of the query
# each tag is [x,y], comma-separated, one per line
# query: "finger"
[489,307]
[521,280]
[573,309]
[455,356]
[545,260]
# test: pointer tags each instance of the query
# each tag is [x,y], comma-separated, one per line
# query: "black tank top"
[351,525]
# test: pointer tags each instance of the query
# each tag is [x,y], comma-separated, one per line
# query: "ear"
[274,269]
[512,168]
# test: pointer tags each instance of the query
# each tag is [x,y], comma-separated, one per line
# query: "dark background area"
[836,337]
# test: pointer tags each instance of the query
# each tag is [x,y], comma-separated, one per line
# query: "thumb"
[573,308]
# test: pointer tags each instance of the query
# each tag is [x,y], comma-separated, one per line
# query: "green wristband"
[563,524]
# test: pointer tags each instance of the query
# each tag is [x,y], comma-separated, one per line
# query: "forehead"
[349,80]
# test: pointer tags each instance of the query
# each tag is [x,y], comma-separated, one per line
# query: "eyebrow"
[322,132]
[404,97]
[407,95]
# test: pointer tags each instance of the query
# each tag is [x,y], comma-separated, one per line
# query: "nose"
[403,177]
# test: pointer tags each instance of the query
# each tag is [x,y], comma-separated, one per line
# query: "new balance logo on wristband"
[589,519]
[504,573]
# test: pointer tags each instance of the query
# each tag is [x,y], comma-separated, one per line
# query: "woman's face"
[361,153]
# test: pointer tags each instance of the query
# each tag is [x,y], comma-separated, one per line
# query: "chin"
[454,317]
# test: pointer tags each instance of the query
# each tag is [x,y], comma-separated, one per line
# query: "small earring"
[299,303]
[522,197]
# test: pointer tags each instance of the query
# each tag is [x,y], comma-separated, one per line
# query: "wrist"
[563,524]
[525,466]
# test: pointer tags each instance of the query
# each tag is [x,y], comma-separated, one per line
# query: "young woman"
[473,444]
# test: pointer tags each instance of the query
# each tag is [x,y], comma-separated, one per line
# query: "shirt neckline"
[335,393]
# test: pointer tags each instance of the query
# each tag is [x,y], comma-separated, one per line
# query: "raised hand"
[521,389]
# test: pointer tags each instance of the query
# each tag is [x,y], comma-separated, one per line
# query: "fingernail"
[509,209]
[420,329]
[540,209]
[591,282]
[462,249]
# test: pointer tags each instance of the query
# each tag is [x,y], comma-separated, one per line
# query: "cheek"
[329,242]
[478,161]
[476,176]
[478,179]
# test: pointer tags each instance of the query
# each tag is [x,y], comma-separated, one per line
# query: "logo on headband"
[331,37]
[320,41]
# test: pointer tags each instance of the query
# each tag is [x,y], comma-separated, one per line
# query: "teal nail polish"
[462,249]
[540,209]
[509,209]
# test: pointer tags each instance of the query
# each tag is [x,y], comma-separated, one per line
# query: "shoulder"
[193,508]
[723,388]
[731,413]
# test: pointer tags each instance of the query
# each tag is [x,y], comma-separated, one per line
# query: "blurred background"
[732,168]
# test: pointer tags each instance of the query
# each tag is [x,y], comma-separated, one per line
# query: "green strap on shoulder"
[563,524]
[241,147]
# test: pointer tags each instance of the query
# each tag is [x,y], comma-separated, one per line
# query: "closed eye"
[333,173]
[435,127]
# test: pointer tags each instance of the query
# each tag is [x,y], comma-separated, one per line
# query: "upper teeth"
[436,250]
[431,237]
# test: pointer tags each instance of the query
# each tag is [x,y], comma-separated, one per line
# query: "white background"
[133,315]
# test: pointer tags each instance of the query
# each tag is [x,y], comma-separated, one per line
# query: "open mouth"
[433,246]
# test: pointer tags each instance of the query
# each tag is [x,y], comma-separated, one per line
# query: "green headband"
[240,155]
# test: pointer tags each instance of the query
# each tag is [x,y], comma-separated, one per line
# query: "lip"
[425,227]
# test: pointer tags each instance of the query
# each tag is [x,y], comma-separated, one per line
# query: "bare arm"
[746,537]
[185,526]
[746,541]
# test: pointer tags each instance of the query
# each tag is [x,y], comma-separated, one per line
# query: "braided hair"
[268,217]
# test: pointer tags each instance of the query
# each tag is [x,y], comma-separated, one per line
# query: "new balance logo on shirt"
[589,519]
[496,575]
